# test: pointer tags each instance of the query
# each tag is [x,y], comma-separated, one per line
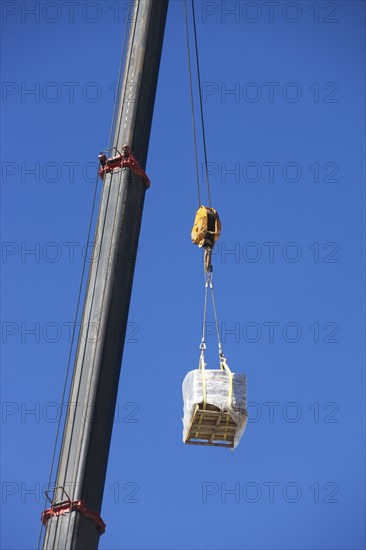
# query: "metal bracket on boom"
[65,506]
[121,160]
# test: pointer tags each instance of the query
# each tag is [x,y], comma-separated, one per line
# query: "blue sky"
[283,89]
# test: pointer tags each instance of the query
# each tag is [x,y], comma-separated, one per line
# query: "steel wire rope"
[83,357]
[215,313]
[192,104]
[115,211]
[209,284]
[104,221]
[200,103]
[103,296]
[109,145]
[70,350]
[97,267]
[82,367]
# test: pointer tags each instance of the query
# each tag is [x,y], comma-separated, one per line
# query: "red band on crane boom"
[67,506]
[125,159]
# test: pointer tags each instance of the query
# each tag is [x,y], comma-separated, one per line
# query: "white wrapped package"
[216,385]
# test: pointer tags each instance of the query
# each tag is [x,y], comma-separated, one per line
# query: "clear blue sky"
[286,155]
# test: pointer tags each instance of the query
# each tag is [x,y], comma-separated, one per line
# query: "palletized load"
[215,410]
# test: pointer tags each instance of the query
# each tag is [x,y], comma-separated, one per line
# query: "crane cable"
[201,106]
[207,273]
[76,316]
[200,102]
[89,323]
[192,105]
[209,285]
[82,277]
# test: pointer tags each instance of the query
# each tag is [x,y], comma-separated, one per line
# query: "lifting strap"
[202,366]
[223,366]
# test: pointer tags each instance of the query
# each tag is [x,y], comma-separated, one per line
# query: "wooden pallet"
[211,426]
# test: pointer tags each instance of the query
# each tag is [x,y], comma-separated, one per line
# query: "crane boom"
[73,521]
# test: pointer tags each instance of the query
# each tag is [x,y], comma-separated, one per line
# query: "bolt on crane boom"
[73,520]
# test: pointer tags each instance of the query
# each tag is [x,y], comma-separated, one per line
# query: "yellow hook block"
[206,228]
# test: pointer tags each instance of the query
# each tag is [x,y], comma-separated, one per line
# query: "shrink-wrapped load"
[215,410]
